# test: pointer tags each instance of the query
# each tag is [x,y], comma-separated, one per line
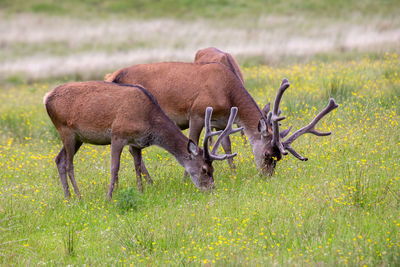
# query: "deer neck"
[249,115]
[172,139]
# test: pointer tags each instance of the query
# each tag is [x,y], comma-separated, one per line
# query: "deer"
[103,113]
[183,90]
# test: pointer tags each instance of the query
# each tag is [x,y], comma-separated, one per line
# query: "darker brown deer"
[184,90]
[103,113]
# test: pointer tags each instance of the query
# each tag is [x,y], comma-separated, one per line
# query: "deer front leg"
[140,167]
[116,150]
[145,172]
[143,168]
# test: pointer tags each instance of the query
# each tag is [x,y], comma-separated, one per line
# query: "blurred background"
[85,39]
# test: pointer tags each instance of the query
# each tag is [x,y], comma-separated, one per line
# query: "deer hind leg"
[62,171]
[116,150]
[226,145]
[71,146]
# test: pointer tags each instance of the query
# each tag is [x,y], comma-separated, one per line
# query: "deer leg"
[71,147]
[195,127]
[62,171]
[116,150]
[226,145]
[143,168]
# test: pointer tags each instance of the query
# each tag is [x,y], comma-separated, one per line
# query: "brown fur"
[185,90]
[212,54]
[104,113]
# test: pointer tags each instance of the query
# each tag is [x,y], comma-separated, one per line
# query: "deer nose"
[209,185]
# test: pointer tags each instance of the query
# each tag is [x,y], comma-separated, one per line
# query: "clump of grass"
[70,242]
[128,199]
[359,190]
[337,88]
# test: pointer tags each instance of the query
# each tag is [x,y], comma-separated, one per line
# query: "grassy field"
[211,9]
[342,207]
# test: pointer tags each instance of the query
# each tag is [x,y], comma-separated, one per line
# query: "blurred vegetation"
[189,9]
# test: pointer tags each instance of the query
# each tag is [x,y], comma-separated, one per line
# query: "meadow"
[342,207]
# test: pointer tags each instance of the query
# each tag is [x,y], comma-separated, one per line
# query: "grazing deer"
[103,113]
[184,90]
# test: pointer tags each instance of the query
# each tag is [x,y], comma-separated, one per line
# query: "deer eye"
[203,169]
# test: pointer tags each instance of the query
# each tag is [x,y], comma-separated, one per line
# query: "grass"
[342,207]
[186,9]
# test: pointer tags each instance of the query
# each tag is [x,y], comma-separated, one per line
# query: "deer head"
[200,166]
[271,148]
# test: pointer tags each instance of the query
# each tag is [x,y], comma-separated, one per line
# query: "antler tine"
[208,133]
[228,130]
[310,128]
[284,133]
[275,118]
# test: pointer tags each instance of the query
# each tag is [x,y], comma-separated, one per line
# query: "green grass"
[342,207]
[189,9]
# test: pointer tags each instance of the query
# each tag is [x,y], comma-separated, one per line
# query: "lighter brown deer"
[103,113]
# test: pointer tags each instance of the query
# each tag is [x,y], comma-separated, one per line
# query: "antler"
[274,118]
[309,129]
[208,133]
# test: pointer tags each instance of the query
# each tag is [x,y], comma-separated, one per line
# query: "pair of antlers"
[209,133]
[273,119]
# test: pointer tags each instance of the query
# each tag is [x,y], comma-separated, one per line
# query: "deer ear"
[266,109]
[262,127]
[192,148]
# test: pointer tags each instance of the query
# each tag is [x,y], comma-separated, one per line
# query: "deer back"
[94,109]
[186,88]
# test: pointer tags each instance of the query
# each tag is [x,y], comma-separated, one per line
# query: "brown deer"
[184,90]
[103,113]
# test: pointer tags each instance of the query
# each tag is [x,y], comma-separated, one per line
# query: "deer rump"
[212,54]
